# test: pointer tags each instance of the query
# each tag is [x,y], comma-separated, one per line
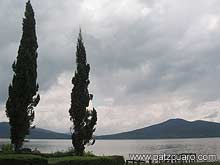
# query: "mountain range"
[170,129]
[173,128]
[36,133]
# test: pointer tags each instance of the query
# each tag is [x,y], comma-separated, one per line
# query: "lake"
[126,147]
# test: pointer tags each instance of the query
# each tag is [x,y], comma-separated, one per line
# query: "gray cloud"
[212,115]
[157,58]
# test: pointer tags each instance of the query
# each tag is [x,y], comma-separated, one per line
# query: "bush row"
[27,159]
[98,160]
[22,159]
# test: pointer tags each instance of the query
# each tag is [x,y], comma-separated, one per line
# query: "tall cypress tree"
[23,95]
[83,119]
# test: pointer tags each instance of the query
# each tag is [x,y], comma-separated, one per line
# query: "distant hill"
[174,128]
[36,133]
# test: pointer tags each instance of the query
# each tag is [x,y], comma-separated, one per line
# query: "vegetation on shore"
[68,157]
[8,156]
[43,159]
[23,90]
[84,119]
[95,160]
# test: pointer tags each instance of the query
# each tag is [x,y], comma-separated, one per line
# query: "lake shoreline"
[126,147]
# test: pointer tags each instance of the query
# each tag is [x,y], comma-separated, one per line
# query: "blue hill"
[174,128]
[36,133]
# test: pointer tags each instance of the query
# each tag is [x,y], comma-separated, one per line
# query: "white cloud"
[3,117]
[53,109]
[52,112]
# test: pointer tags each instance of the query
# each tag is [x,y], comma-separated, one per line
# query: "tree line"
[24,97]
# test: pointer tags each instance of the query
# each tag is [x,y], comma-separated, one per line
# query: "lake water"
[126,147]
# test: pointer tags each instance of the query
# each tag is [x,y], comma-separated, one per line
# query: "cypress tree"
[23,96]
[84,120]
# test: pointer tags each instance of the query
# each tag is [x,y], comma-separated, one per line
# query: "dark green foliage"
[63,153]
[195,163]
[102,160]
[83,119]
[22,159]
[23,95]
[7,148]
[30,159]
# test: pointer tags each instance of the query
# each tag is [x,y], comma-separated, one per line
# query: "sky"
[151,60]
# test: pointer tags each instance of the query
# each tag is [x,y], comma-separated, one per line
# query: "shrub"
[89,153]
[7,148]
[22,159]
[95,160]
[30,159]
[62,153]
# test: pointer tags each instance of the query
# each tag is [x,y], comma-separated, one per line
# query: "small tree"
[23,95]
[84,120]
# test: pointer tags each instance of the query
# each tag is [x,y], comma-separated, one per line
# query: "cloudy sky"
[151,60]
